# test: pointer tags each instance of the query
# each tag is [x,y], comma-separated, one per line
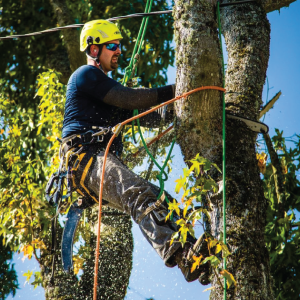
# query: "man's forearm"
[129,98]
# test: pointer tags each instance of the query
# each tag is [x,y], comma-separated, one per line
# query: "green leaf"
[38,280]
[225,251]
[214,261]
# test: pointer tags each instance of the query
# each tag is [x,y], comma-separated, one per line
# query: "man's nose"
[118,51]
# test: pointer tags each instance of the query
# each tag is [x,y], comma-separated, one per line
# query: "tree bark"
[71,36]
[198,60]
[115,261]
[271,5]
[247,35]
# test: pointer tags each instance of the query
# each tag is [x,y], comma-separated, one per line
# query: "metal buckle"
[102,130]
[99,138]
[100,134]
[87,137]
[159,212]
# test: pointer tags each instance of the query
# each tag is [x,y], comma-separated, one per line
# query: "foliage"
[25,216]
[8,276]
[282,230]
[197,183]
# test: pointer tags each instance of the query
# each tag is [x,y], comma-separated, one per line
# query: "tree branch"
[71,37]
[277,171]
[270,104]
[271,5]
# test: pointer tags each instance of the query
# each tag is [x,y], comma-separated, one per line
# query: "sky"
[149,277]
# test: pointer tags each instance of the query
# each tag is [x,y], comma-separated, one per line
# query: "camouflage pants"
[127,192]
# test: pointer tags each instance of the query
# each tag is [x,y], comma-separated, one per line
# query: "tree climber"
[95,102]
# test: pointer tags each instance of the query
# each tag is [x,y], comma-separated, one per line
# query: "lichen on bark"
[247,35]
[198,63]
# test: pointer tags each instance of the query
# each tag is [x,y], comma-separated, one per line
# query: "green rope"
[127,76]
[162,171]
[137,48]
[138,44]
[224,148]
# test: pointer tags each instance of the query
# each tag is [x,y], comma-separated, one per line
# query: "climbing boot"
[184,260]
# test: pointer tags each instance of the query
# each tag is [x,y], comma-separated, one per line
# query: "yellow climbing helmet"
[98,32]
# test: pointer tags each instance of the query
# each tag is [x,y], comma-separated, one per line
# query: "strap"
[91,136]
[149,209]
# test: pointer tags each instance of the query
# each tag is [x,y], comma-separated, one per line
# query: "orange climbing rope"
[116,130]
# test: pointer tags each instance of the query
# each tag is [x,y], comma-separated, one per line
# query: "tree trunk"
[198,60]
[71,36]
[115,261]
[247,35]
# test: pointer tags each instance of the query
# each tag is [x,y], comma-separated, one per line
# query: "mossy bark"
[247,35]
[198,60]
[271,5]
[115,262]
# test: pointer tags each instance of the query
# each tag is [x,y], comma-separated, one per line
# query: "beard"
[114,65]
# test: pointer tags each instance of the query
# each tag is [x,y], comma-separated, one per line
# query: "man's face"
[109,58]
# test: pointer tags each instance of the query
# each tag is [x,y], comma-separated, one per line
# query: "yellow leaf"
[40,91]
[225,251]
[28,274]
[78,263]
[187,205]
[196,263]
[1,131]
[55,160]
[180,184]
[174,206]
[39,244]
[211,243]
[15,131]
[262,161]
[218,248]
[229,278]
[28,250]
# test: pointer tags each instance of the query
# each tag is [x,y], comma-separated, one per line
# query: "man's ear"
[94,50]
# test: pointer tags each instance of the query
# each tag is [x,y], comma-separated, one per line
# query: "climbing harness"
[70,148]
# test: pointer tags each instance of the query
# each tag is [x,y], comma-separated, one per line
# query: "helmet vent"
[89,40]
[103,34]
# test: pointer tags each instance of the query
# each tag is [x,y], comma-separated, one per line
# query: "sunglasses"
[113,46]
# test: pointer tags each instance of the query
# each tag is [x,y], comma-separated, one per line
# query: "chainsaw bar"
[253,125]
